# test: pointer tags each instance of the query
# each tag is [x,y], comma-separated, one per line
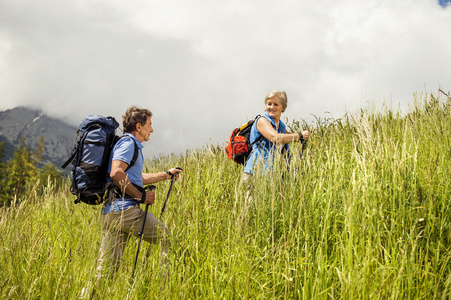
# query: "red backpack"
[240,147]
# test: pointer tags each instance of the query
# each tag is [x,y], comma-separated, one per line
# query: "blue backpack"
[96,137]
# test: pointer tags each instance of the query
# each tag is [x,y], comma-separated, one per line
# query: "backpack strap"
[77,156]
[260,138]
[113,189]
[76,148]
[135,154]
[81,136]
[69,160]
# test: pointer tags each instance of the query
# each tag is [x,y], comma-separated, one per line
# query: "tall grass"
[364,214]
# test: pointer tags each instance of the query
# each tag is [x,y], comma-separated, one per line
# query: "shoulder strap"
[261,137]
[135,154]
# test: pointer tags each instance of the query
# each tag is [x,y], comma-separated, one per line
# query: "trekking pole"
[169,192]
[140,234]
[164,206]
[304,146]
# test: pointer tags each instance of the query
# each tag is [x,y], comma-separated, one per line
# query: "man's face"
[145,130]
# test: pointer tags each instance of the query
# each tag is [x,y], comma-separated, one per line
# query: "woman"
[275,136]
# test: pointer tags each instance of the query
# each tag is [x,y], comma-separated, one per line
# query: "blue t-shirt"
[124,151]
[264,150]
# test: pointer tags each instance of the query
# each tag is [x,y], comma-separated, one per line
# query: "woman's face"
[274,108]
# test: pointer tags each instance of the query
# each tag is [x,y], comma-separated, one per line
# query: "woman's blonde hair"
[281,95]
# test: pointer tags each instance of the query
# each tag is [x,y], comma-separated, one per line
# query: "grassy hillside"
[365,214]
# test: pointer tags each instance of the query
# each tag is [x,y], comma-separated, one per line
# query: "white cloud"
[203,67]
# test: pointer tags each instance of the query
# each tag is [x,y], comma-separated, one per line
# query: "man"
[122,216]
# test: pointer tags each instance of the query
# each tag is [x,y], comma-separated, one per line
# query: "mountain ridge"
[21,123]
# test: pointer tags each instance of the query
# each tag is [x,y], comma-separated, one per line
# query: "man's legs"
[111,250]
[116,229]
[114,240]
[154,231]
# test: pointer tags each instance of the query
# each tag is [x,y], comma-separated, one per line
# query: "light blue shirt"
[124,151]
[264,150]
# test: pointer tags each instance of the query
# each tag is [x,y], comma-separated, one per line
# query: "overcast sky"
[204,67]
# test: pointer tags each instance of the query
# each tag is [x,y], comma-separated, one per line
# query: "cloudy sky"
[204,67]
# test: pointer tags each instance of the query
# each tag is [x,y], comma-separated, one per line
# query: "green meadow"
[364,214]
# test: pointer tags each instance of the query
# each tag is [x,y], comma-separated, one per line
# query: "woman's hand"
[305,135]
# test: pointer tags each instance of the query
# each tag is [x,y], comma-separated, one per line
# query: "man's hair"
[281,95]
[134,115]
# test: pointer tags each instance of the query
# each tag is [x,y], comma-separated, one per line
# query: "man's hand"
[150,197]
[175,171]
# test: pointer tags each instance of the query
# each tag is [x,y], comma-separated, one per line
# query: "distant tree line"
[25,172]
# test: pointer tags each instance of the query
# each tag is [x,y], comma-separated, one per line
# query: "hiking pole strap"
[144,191]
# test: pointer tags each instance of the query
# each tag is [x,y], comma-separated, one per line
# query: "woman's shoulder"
[282,126]
[265,118]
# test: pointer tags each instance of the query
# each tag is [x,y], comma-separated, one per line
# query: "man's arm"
[150,178]
[120,178]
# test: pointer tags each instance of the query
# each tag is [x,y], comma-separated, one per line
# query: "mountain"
[21,122]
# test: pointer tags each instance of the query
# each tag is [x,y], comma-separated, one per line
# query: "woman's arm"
[266,129]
